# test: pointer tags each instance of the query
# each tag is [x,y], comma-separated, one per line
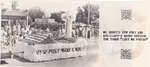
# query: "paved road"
[85,61]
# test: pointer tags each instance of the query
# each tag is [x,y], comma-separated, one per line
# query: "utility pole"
[10,39]
[14,5]
[88,13]
[11,35]
[88,24]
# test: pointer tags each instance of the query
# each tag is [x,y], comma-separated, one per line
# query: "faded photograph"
[49,33]
[74,33]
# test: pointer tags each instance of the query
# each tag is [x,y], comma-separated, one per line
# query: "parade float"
[48,49]
[44,46]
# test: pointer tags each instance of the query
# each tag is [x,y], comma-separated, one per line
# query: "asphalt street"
[84,61]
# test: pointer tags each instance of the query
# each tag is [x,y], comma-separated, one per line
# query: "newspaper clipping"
[74,33]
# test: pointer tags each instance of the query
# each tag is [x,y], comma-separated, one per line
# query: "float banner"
[44,52]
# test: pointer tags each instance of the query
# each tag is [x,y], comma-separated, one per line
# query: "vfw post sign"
[46,52]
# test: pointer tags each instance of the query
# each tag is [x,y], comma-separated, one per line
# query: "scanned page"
[74,33]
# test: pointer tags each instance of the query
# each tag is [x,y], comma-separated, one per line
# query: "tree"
[87,13]
[3,10]
[57,16]
[35,13]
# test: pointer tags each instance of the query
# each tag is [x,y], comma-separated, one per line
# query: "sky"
[51,5]
[48,6]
